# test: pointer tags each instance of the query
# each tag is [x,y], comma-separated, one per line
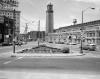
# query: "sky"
[64,12]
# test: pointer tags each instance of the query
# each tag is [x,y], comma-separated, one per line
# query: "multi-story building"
[8,11]
[90,34]
[33,35]
[6,30]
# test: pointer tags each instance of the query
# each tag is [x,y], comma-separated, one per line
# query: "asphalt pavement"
[36,67]
[87,68]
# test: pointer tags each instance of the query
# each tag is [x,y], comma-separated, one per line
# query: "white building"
[90,34]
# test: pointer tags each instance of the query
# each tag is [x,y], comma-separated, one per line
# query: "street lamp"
[38,32]
[14,31]
[82,28]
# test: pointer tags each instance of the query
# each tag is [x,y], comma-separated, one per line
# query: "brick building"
[33,36]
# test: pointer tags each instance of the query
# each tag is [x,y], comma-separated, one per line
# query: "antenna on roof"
[74,21]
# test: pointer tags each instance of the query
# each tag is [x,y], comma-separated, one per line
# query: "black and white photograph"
[49,39]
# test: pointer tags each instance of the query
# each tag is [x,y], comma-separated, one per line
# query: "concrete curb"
[45,55]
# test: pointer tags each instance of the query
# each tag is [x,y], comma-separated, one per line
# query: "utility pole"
[26,28]
[82,28]
[14,31]
[38,32]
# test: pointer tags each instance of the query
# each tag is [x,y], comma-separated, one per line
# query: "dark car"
[60,42]
[50,42]
[19,43]
[66,50]
[6,44]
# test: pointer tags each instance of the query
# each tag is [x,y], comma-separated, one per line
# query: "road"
[69,65]
[79,67]
[6,49]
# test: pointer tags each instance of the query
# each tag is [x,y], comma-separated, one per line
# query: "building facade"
[6,30]
[33,36]
[9,14]
[9,8]
[8,11]
[73,34]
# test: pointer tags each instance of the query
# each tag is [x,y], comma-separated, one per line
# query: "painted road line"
[7,62]
[12,60]
[19,58]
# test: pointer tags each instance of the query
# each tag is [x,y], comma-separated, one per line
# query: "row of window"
[11,17]
[66,30]
[78,40]
[90,34]
[8,13]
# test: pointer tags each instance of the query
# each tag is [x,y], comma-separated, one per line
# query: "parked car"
[6,44]
[19,43]
[60,42]
[91,47]
[66,50]
[85,47]
[72,43]
[50,42]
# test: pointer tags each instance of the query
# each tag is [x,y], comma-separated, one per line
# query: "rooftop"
[79,25]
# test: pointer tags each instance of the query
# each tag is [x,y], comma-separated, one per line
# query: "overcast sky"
[64,12]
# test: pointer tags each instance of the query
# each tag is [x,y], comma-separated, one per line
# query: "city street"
[55,39]
[6,49]
[68,67]
[86,67]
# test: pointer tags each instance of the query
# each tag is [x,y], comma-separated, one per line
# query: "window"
[87,34]
[93,40]
[90,34]
[99,34]
[93,34]
[3,13]
[8,13]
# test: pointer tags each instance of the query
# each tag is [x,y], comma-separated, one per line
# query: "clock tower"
[49,19]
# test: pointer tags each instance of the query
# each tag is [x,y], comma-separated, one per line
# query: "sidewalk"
[74,54]
[46,55]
